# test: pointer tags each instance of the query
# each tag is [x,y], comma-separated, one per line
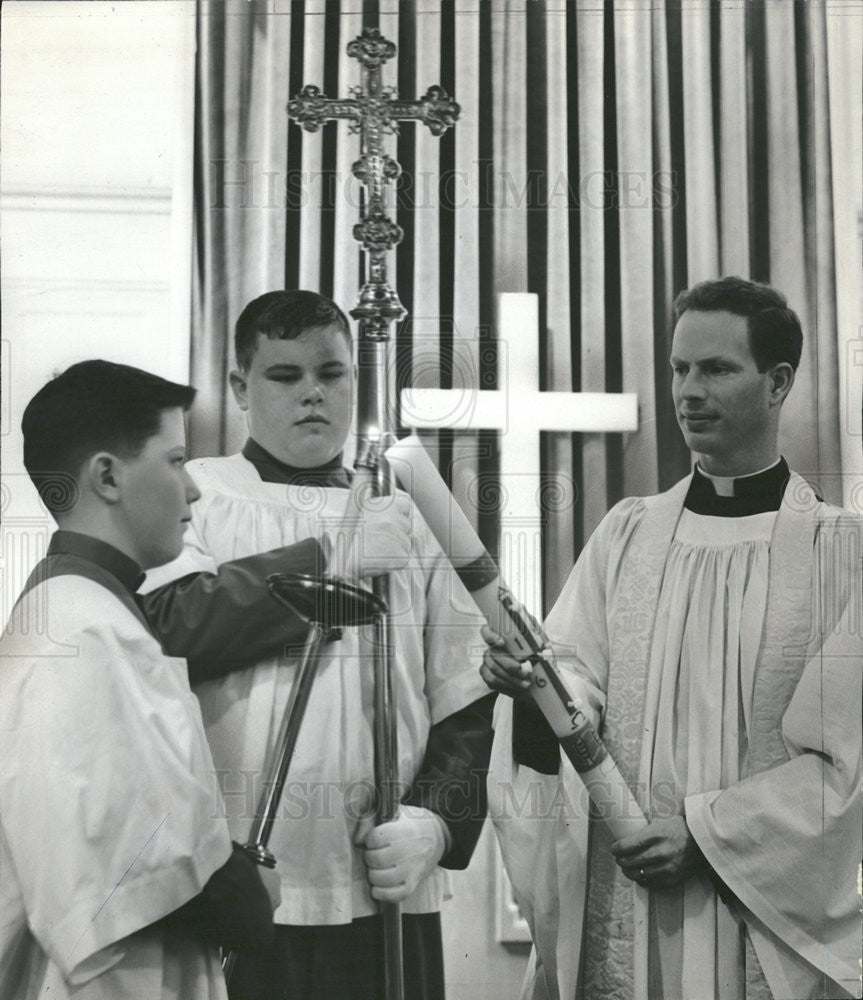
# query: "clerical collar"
[732,486]
[753,494]
[106,556]
[272,470]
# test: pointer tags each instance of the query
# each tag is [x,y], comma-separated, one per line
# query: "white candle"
[522,635]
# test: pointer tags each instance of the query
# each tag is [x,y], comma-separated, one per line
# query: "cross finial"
[374,111]
[371,48]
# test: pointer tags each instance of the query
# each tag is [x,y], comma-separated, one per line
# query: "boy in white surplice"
[117,875]
[277,506]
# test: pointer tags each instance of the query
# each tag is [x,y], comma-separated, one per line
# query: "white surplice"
[724,656]
[437,647]
[108,805]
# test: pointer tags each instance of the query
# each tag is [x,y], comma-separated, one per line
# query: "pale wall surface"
[96,142]
[478,966]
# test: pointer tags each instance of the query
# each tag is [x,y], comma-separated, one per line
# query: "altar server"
[118,875]
[278,505]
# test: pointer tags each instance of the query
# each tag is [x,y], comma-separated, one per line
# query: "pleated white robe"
[724,657]
[437,651]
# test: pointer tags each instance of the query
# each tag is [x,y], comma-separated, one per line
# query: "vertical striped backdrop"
[607,156]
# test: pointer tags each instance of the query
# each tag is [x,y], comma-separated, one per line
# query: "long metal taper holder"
[327,605]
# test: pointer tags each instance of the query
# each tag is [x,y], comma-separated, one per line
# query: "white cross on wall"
[519,410]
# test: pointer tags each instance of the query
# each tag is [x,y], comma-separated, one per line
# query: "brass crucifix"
[374,111]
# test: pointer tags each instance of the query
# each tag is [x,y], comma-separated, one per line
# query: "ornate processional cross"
[374,111]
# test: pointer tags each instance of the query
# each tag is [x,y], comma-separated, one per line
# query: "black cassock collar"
[271,470]
[94,550]
[754,494]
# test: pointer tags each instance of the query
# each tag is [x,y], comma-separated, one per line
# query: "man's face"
[156,494]
[299,396]
[724,405]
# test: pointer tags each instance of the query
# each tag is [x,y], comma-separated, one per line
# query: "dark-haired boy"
[715,632]
[287,492]
[118,875]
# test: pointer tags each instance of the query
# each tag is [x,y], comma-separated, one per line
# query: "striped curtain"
[607,156]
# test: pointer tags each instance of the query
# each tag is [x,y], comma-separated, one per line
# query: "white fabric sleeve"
[109,802]
[794,861]
[453,646]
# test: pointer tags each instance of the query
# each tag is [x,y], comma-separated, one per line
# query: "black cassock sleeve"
[452,779]
[533,741]
[198,615]
[233,909]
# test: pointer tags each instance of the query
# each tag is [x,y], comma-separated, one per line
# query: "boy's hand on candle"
[661,855]
[501,671]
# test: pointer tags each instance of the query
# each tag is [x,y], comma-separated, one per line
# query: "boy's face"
[299,396]
[157,493]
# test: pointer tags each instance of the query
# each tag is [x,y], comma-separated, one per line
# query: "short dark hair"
[775,334]
[284,315]
[92,406]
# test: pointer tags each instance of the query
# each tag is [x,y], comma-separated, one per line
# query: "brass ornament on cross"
[374,111]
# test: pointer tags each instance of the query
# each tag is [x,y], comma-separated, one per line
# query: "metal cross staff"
[375,111]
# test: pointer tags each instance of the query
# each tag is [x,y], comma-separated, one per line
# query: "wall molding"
[48,284]
[88,200]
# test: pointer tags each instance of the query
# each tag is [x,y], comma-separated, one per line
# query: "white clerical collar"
[724,485]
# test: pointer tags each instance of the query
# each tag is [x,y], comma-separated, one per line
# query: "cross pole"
[374,111]
[519,410]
